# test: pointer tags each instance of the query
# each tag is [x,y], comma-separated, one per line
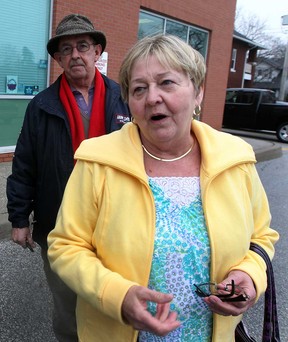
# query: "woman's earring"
[197,113]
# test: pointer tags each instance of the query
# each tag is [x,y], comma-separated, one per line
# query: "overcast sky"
[269,11]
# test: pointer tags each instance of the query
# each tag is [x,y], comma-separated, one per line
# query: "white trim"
[16,97]
[7,149]
[233,59]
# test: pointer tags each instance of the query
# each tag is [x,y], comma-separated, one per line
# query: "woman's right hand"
[135,313]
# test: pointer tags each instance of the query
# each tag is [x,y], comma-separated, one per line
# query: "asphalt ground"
[25,299]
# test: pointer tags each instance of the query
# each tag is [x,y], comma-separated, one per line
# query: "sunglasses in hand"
[230,293]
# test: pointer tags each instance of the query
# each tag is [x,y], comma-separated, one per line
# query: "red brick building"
[119,20]
[206,25]
[243,61]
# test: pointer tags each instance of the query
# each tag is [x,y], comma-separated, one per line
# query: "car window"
[268,97]
[245,97]
[234,96]
[231,96]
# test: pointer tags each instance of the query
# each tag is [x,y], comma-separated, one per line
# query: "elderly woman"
[162,205]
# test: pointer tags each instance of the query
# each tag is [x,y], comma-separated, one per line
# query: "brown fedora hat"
[74,24]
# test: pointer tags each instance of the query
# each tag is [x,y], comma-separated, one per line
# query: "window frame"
[177,22]
[233,60]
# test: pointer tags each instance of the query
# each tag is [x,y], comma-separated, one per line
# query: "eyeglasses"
[81,47]
[230,293]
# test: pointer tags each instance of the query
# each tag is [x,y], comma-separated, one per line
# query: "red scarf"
[97,118]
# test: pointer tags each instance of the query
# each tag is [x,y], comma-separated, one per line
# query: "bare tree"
[274,49]
[254,28]
[250,25]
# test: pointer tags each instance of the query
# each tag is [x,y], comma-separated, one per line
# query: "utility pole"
[285,65]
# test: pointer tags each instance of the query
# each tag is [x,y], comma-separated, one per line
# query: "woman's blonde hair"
[170,51]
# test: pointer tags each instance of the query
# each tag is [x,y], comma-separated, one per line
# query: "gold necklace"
[168,160]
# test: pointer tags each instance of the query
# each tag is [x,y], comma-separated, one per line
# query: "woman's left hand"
[241,279]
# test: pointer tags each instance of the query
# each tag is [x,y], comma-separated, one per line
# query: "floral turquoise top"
[181,257]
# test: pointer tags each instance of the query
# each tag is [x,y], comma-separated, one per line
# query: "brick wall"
[6,157]
[119,21]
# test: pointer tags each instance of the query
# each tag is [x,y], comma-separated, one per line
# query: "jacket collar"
[122,149]
[219,150]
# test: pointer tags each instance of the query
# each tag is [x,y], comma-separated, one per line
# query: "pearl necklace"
[168,160]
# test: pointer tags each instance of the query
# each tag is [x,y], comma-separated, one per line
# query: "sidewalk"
[5,227]
[264,150]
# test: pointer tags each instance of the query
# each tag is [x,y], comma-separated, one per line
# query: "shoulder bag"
[270,323]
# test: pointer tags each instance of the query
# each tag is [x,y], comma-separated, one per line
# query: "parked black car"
[257,110]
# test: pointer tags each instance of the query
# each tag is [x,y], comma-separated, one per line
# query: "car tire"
[282,132]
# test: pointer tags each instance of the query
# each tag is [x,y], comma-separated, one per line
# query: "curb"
[264,150]
[5,227]
[267,154]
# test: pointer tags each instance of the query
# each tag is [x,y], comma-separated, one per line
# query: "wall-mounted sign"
[102,63]
[31,90]
[43,63]
[11,84]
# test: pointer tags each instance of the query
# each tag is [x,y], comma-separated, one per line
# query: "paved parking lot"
[25,300]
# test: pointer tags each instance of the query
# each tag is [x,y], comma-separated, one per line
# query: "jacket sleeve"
[73,252]
[20,188]
[262,234]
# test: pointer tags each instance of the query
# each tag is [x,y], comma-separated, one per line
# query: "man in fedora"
[82,103]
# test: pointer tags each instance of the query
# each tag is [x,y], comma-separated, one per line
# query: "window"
[233,60]
[23,62]
[231,96]
[241,97]
[245,97]
[23,55]
[150,24]
[177,29]
[268,97]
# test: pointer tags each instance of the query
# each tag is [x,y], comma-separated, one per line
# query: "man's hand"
[134,311]
[23,237]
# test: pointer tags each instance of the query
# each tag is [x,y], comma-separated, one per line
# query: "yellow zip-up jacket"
[103,240]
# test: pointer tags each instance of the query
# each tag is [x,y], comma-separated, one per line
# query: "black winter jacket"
[43,159]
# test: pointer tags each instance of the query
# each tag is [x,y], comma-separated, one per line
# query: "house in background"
[268,74]
[243,61]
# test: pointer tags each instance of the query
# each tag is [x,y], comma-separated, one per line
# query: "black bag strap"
[270,326]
